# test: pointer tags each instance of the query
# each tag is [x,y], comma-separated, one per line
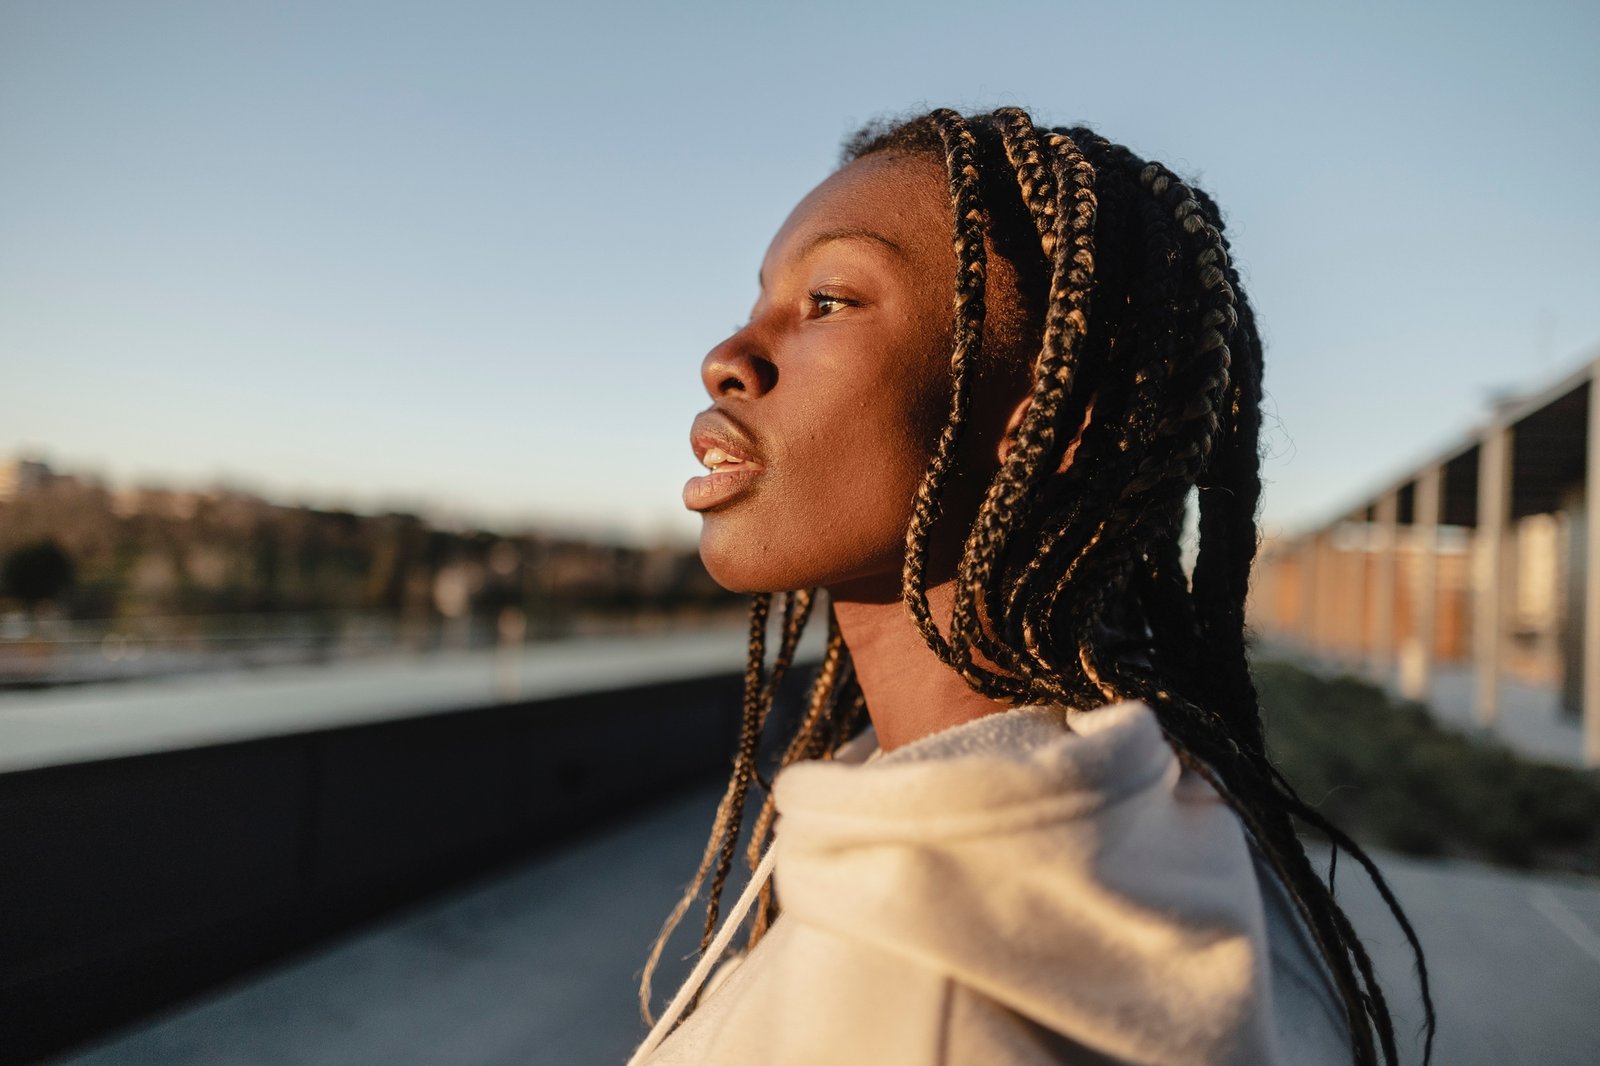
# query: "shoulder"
[1040,888]
[1063,868]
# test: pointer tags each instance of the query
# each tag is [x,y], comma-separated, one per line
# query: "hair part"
[1070,588]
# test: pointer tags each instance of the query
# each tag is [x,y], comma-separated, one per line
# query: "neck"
[910,693]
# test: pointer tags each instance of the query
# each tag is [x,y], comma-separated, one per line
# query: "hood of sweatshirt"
[1062,864]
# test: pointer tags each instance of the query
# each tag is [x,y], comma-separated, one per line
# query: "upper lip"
[715,428]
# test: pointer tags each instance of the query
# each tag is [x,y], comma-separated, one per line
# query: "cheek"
[851,439]
[835,501]
[835,509]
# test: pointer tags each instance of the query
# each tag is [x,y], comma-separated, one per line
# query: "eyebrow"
[844,233]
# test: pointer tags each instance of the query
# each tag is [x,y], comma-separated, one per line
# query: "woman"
[1060,839]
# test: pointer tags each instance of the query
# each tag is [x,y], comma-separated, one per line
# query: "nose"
[737,365]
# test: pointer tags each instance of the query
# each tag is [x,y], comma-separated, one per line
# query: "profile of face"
[827,405]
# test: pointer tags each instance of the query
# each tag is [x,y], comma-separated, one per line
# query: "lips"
[731,457]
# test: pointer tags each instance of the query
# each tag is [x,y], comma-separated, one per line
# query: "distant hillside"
[159,552]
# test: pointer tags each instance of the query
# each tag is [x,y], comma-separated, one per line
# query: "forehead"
[903,198]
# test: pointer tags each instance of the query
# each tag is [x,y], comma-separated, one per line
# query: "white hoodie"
[1032,887]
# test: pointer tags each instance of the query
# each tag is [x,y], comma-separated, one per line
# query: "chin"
[745,564]
[800,557]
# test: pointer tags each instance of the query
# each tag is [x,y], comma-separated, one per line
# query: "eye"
[827,303]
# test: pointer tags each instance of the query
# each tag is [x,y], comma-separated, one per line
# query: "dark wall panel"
[131,883]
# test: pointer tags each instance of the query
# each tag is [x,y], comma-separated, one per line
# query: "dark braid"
[1066,238]
[1228,540]
[1070,587]
[758,696]
[971,280]
[809,741]
[759,690]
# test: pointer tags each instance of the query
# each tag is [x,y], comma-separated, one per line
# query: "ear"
[1008,436]
[1008,439]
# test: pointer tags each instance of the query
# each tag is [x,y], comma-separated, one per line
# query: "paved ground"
[1515,960]
[1530,719]
[538,965]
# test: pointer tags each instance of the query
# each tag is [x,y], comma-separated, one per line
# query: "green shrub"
[1388,774]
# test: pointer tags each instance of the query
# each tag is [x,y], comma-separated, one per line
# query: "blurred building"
[1476,556]
[18,476]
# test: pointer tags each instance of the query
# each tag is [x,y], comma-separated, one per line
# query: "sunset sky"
[469,256]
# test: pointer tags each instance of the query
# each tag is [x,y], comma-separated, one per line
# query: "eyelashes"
[823,301]
[824,304]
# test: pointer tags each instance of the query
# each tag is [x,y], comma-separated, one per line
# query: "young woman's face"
[827,404]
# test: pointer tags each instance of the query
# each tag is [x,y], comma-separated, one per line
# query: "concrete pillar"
[1488,593]
[1574,570]
[1325,603]
[1416,660]
[1334,595]
[1306,550]
[1267,597]
[1260,606]
[1355,594]
[1256,616]
[1591,587]
[1386,528]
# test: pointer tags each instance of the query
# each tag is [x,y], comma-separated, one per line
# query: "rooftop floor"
[539,965]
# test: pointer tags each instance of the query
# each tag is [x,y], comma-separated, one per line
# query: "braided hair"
[1148,350]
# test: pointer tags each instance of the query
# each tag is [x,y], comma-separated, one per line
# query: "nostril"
[730,369]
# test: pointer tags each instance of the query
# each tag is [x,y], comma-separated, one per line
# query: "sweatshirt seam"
[915,752]
[946,1009]
[935,825]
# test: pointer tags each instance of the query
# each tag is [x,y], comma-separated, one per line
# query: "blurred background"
[362,698]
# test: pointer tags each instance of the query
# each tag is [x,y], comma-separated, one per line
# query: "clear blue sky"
[470,254]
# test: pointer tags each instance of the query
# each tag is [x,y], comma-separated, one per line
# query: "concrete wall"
[130,883]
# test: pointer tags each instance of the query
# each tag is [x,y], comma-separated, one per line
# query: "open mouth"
[731,457]
[727,476]
[717,461]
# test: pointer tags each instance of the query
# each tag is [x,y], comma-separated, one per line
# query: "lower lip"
[717,488]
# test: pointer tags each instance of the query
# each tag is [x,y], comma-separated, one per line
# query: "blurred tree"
[36,572]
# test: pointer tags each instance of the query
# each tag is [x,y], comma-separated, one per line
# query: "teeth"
[715,457]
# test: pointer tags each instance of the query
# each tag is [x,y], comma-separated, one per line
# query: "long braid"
[797,607]
[758,697]
[971,280]
[1229,490]
[1224,598]
[1178,445]
[725,825]
[1058,190]
[1228,543]
[1341,841]
[728,810]
[824,689]
[1049,568]
[1205,746]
